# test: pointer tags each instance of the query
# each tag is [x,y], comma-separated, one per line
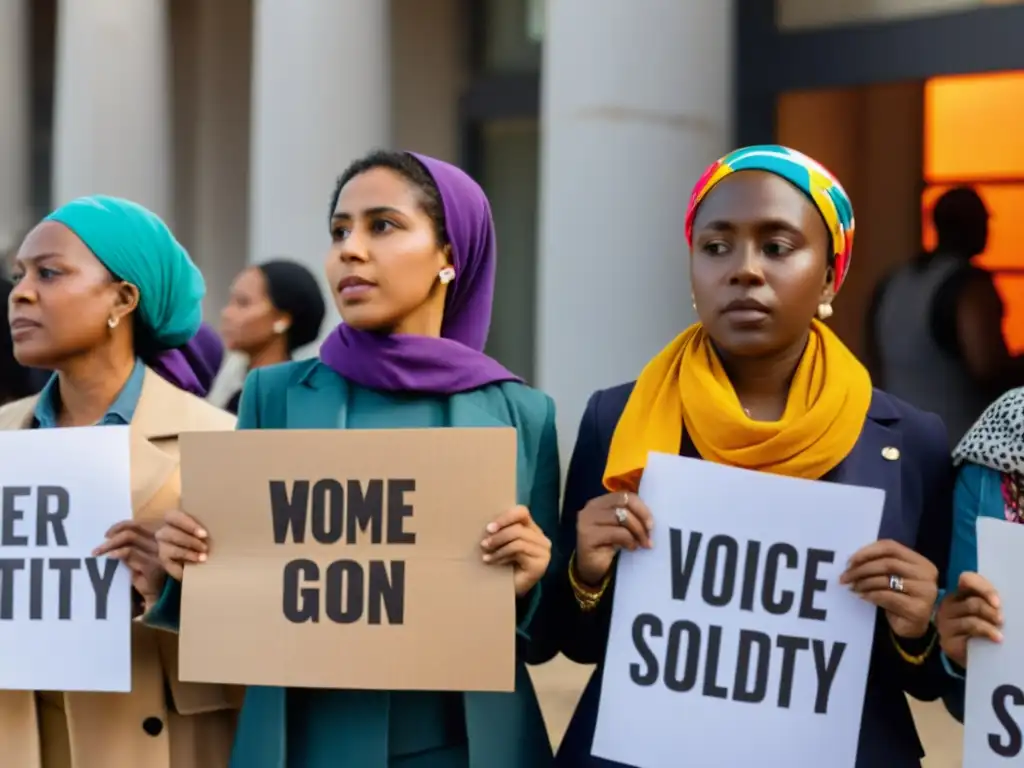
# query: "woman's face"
[247,322]
[384,259]
[759,264]
[63,299]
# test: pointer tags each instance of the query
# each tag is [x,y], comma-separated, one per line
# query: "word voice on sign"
[347,590]
[690,653]
[23,579]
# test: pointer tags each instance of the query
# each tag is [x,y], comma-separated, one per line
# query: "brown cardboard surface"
[457,629]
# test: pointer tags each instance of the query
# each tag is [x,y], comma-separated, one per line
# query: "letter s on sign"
[1001,697]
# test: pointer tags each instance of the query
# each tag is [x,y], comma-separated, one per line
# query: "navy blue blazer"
[917,513]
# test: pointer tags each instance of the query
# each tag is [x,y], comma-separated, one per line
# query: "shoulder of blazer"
[273,380]
[925,438]
[530,404]
[165,411]
[18,413]
[604,408]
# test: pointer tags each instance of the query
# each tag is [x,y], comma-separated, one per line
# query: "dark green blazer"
[505,730]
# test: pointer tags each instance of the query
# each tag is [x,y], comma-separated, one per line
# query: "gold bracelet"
[586,597]
[920,658]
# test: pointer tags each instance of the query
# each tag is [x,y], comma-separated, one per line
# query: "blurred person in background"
[935,325]
[104,295]
[274,308]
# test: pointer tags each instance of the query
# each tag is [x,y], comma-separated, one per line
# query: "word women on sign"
[347,590]
[22,578]
[690,654]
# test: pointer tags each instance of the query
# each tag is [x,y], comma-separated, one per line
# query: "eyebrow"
[39,257]
[375,211]
[772,225]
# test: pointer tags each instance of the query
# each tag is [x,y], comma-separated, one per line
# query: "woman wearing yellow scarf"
[761,383]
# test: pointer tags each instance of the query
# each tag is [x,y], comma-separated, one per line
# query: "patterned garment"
[1012,497]
[996,441]
[805,173]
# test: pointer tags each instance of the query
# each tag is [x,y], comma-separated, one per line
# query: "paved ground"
[560,682]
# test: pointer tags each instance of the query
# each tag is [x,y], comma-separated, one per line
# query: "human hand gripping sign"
[605,525]
[973,610]
[515,539]
[181,539]
[134,543]
[898,580]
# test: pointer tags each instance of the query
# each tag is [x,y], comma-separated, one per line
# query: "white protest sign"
[65,616]
[734,630]
[994,699]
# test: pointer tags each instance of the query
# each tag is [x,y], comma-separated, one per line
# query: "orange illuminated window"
[974,135]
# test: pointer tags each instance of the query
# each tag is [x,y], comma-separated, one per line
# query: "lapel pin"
[890,453]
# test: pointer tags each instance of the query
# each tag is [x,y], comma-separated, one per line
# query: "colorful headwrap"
[801,171]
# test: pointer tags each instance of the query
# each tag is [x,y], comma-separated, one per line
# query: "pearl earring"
[280,327]
[824,311]
[112,322]
[446,275]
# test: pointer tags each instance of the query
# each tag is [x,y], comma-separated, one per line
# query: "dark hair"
[959,216]
[413,171]
[293,289]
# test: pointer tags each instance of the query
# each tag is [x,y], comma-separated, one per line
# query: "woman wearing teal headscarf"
[105,295]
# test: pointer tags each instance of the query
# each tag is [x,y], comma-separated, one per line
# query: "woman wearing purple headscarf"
[412,265]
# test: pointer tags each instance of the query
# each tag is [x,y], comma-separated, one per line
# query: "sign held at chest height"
[994,698]
[60,491]
[366,541]
[22,579]
[736,622]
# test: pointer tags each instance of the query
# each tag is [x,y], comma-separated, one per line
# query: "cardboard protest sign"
[349,559]
[735,623]
[65,616]
[994,702]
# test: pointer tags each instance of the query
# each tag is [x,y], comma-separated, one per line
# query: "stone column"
[15,143]
[112,121]
[321,98]
[636,101]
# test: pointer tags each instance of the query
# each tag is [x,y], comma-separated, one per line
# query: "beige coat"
[133,730]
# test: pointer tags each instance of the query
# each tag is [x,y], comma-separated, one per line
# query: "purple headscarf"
[194,366]
[456,361]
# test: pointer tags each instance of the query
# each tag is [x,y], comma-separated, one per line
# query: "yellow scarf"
[686,384]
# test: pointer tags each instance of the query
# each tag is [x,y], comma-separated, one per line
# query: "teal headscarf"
[137,247]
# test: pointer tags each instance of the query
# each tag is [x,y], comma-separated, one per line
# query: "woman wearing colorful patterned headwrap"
[762,383]
[108,299]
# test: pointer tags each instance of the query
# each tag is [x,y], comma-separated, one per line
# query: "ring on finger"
[896,583]
[621,516]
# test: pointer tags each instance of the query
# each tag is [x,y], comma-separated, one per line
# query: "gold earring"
[824,311]
[446,275]
[112,322]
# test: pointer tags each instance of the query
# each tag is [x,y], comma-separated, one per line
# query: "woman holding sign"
[761,383]
[990,483]
[412,265]
[105,296]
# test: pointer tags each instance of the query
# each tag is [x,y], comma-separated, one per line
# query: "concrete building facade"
[587,122]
